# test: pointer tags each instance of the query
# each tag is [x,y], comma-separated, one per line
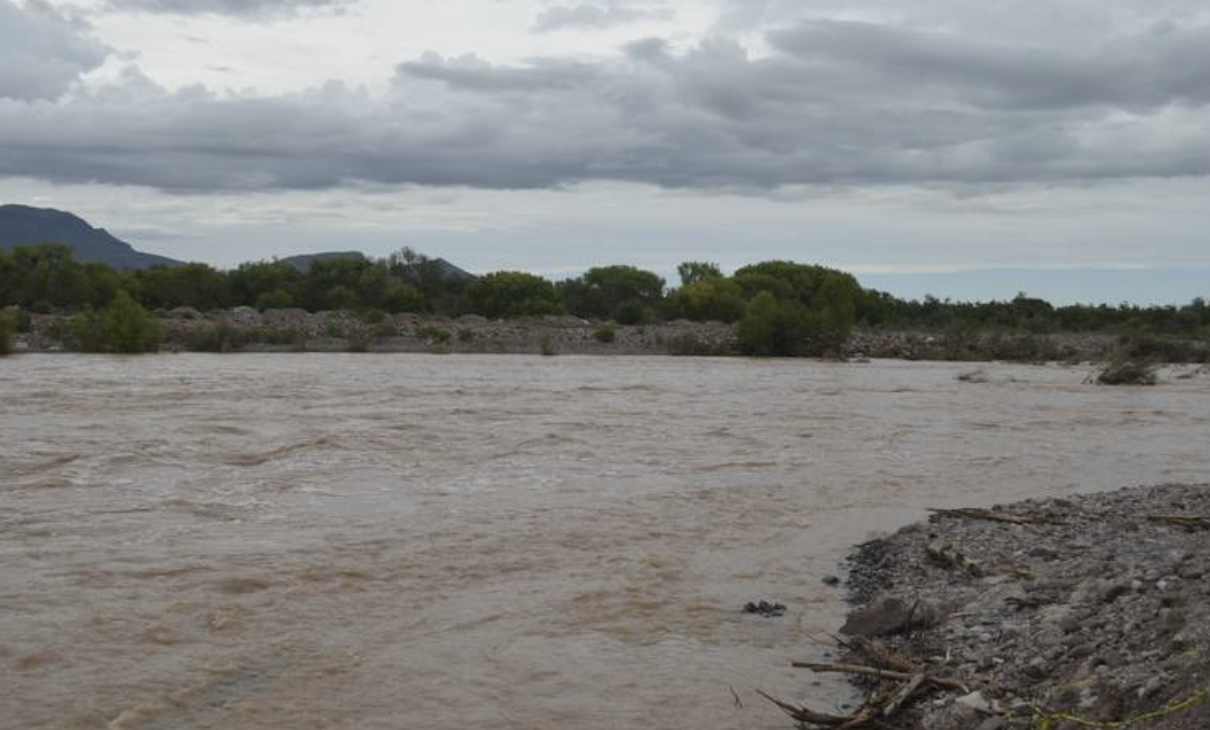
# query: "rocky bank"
[1088,612]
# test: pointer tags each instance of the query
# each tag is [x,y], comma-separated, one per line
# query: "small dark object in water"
[764,608]
[831,580]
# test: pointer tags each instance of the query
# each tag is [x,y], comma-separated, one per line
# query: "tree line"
[778,307]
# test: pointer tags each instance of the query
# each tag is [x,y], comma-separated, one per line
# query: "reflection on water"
[357,542]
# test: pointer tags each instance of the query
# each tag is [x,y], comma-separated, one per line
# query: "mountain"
[22,225]
[303,262]
[444,269]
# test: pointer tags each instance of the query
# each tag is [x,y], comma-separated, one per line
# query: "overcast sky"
[965,148]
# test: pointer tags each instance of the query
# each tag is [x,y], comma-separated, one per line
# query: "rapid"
[356,542]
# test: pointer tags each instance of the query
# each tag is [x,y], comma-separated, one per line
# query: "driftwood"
[899,679]
[1192,524]
[1012,518]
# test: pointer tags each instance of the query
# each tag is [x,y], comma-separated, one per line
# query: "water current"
[360,542]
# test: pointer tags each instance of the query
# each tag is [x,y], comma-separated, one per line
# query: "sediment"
[1088,612]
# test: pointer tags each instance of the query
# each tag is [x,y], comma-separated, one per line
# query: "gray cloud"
[41,52]
[242,8]
[597,15]
[833,104]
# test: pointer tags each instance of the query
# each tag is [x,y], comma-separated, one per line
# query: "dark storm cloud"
[834,103]
[1154,68]
[596,15]
[243,8]
[42,53]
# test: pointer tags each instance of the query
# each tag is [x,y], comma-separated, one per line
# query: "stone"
[891,616]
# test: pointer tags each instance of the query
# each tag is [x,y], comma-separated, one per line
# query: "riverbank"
[295,330]
[1059,613]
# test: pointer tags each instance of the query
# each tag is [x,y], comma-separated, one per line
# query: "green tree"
[512,294]
[601,291]
[709,299]
[693,272]
[402,298]
[186,285]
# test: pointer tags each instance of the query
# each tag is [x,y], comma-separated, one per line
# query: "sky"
[971,150]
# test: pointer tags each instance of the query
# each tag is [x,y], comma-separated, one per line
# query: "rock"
[976,701]
[993,723]
[891,616]
[831,580]
[765,608]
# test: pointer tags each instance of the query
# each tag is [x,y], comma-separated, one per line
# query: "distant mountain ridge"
[302,262]
[22,225]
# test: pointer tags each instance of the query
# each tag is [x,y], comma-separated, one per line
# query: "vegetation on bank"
[8,328]
[779,308]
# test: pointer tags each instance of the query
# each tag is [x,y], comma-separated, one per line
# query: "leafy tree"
[512,294]
[600,291]
[186,285]
[693,272]
[276,299]
[251,281]
[708,299]
[402,298]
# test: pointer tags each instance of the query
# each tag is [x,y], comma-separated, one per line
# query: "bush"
[358,342]
[434,334]
[8,327]
[466,335]
[1127,372]
[385,329]
[605,335]
[772,327]
[122,327]
[130,328]
[691,345]
[221,337]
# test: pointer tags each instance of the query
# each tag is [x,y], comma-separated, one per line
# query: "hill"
[23,225]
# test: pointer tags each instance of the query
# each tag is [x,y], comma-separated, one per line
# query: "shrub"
[87,332]
[1127,372]
[605,334]
[385,329]
[547,346]
[772,327]
[433,334]
[373,316]
[8,327]
[691,345]
[220,337]
[122,327]
[465,335]
[334,327]
[358,342]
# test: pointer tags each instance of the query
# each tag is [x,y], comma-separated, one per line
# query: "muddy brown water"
[359,542]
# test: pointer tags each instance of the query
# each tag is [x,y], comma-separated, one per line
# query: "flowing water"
[357,542]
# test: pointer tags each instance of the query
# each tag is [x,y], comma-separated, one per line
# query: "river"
[355,542]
